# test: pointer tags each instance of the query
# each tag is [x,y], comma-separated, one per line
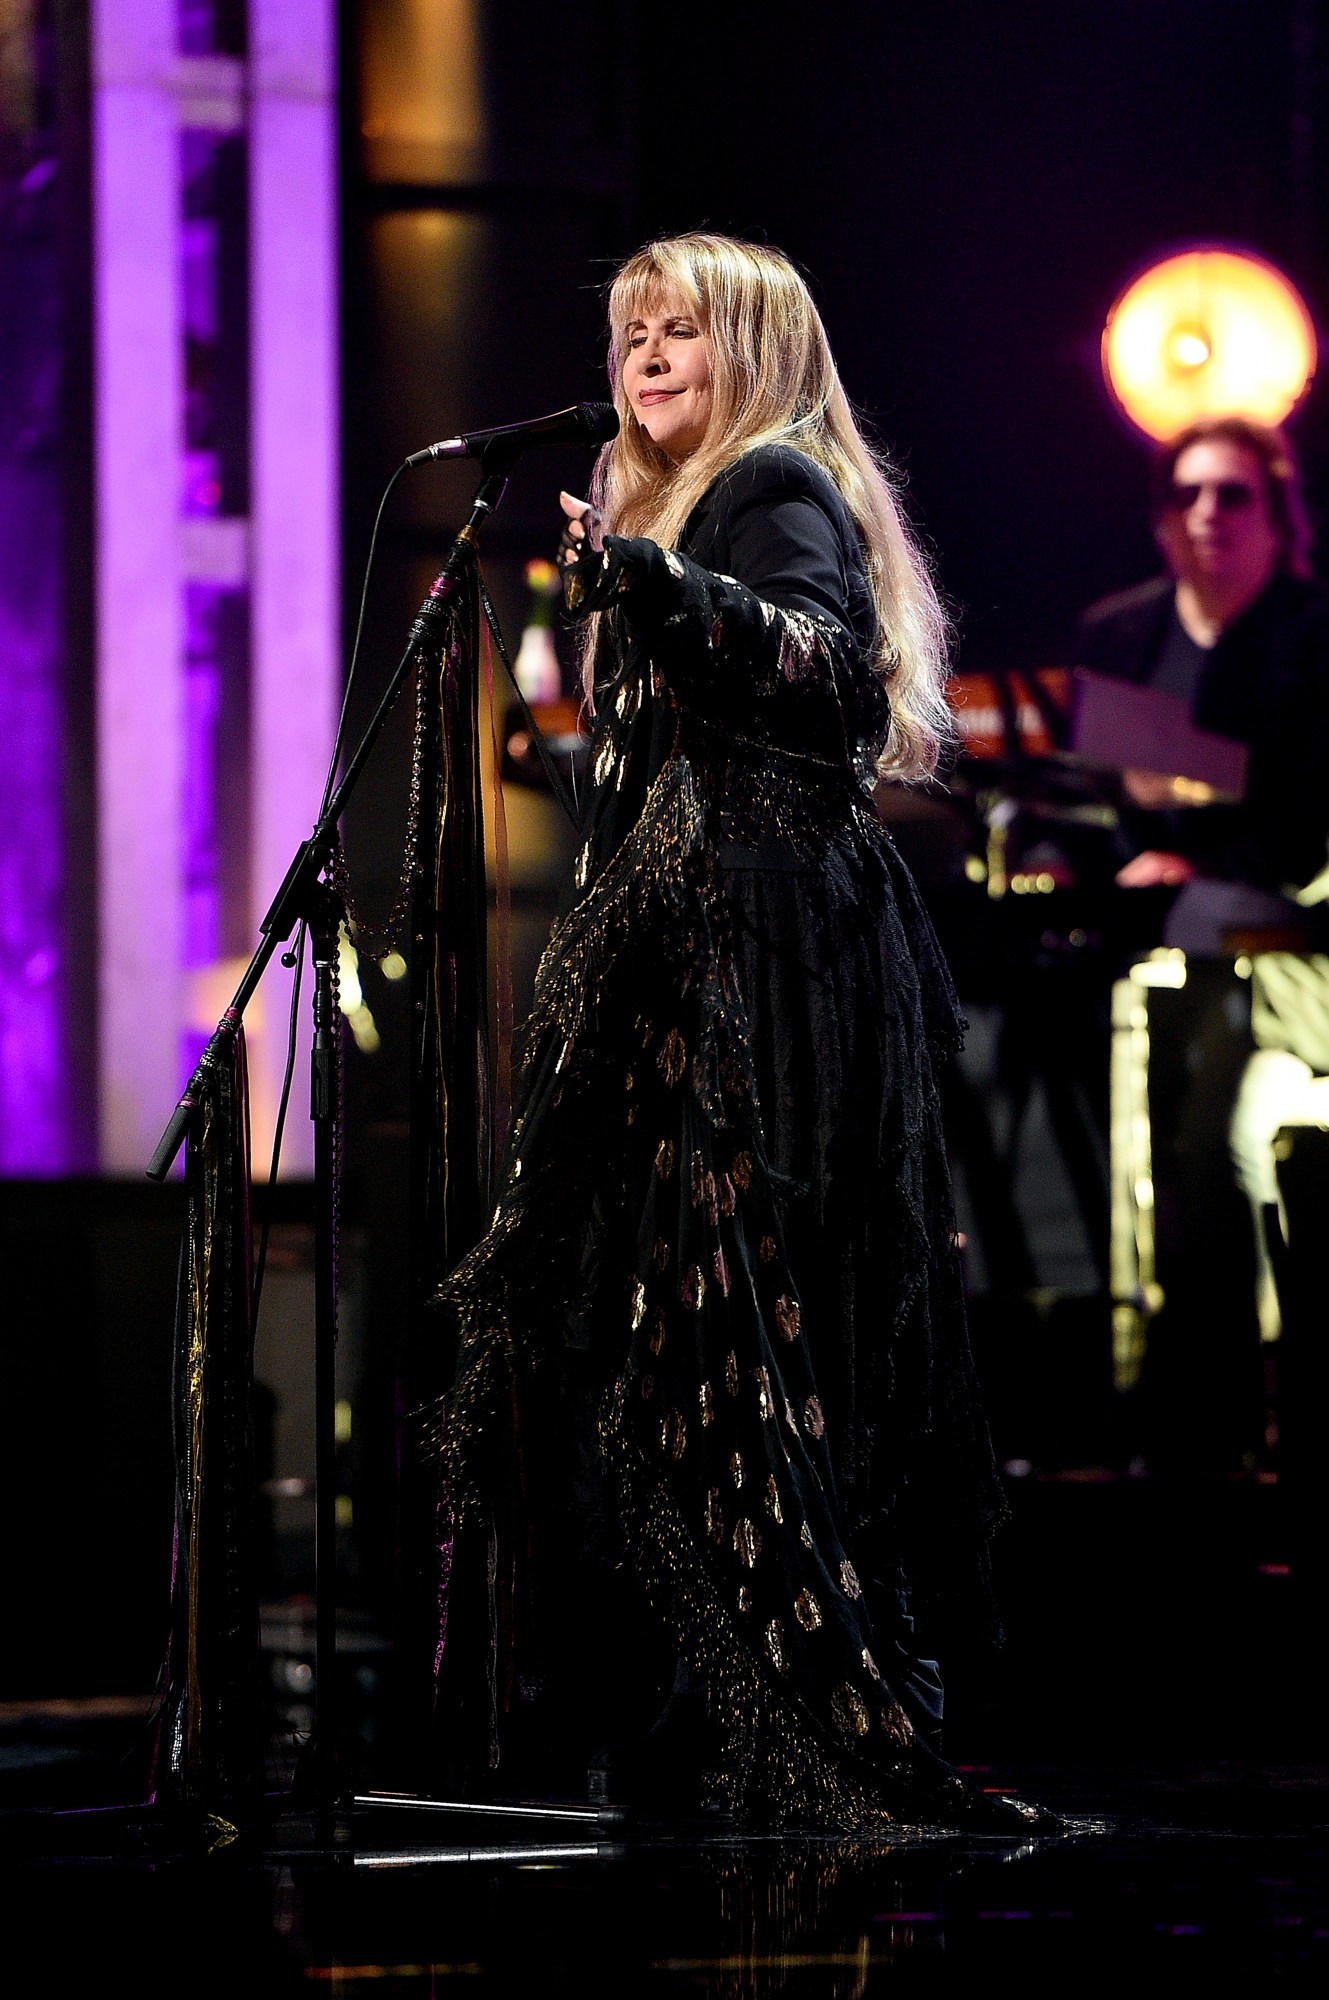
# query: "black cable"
[297,955]
[340,738]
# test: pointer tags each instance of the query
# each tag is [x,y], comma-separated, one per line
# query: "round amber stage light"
[1204,334]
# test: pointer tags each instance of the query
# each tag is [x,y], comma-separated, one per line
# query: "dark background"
[968,188]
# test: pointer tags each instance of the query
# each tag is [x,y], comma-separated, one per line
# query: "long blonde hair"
[773,381]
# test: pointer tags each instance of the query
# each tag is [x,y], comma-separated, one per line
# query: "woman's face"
[667,379]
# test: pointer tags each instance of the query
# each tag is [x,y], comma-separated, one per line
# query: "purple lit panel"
[41,1132]
[295,424]
[35,1130]
[137,402]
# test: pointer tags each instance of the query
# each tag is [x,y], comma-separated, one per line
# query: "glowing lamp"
[1204,334]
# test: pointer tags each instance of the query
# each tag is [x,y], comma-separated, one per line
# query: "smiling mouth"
[657,395]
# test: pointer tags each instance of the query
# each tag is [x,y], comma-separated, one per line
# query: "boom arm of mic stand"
[293,899]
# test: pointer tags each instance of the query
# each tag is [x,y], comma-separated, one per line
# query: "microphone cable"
[294,956]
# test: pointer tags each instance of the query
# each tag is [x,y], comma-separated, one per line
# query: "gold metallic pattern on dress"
[765,1399]
[771,1761]
[647,1388]
[807,1611]
[742,1170]
[659,1327]
[807,646]
[629,699]
[637,1302]
[788,1317]
[871,1665]
[725,1196]
[674,1435]
[849,1582]
[766,1249]
[664,1159]
[731,1372]
[897,1724]
[714,1514]
[813,1418]
[721,1269]
[747,1542]
[692,1290]
[790,1416]
[775,1651]
[745,1598]
[673,1057]
[785,796]
[624,900]
[707,1400]
[604,761]
[582,871]
[805,1535]
[736,1467]
[849,1711]
[674,566]
[773,1499]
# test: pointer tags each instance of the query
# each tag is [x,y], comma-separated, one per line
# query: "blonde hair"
[773,381]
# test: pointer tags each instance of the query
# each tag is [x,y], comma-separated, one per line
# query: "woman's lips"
[657,395]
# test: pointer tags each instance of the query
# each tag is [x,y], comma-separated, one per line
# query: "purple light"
[36,1135]
[214,182]
[40,1133]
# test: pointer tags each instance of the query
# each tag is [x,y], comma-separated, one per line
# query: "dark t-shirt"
[1180,662]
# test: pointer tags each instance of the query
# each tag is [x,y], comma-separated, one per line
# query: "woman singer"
[713,1415]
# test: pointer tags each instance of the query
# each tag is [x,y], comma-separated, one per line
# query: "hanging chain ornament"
[376,944]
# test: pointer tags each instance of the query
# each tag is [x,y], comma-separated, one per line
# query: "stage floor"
[1160,1689]
[1210,1875]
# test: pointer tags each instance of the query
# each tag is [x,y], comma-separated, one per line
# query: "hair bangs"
[656,277]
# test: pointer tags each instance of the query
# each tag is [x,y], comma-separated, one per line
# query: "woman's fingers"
[582,520]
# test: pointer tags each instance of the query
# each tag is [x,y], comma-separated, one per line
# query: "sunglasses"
[1231,494]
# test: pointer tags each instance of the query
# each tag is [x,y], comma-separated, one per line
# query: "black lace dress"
[713,1414]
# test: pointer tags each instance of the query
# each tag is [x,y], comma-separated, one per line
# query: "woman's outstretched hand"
[581,522]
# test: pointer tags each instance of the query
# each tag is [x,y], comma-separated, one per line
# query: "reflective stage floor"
[1161,1685]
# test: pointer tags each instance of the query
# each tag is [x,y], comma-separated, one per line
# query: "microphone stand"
[307,895]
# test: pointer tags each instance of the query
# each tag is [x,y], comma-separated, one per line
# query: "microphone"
[583,423]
